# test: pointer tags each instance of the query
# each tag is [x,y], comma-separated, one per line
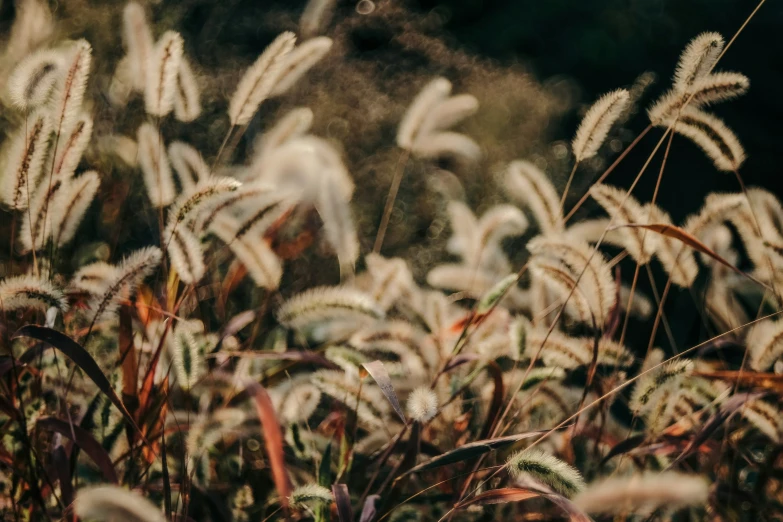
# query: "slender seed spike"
[697,60]
[29,292]
[139,43]
[24,161]
[300,60]
[71,204]
[259,80]
[155,166]
[597,122]
[187,95]
[429,97]
[66,102]
[162,71]
[548,469]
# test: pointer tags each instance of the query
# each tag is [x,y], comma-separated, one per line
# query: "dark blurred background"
[605,44]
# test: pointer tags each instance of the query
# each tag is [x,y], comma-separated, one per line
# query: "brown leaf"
[499,496]
[342,499]
[692,241]
[85,441]
[273,439]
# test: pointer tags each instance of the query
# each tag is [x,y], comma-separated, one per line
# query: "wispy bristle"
[155,166]
[300,60]
[643,494]
[597,122]
[261,262]
[29,292]
[162,72]
[697,60]
[259,80]
[338,224]
[765,417]
[32,81]
[548,469]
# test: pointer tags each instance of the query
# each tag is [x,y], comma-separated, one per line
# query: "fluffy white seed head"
[71,204]
[422,404]
[429,97]
[547,469]
[24,159]
[32,81]
[260,79]
[597,122]
[187,95]
[697,60]
[66,103]
[30,292]
[300,60]
[139,43]
[643,494]
[155,166]
[163,70]
[529,185]
[107,503]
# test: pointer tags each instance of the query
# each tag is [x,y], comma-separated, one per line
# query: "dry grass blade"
[693,242]
[378,372]
[273,438]
[471,450]
[78,355]
[499,496]
[85,440]
[342,500]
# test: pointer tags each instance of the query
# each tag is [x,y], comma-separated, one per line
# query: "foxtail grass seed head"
[325,303]
[644,493]
[29,292]
[185,254]
[422,404]
[547,469]
[187,94]
[310,495]
[697,60]
[530,186]
[139,44]
[430,97]
[260,79]
[32,81]
[712,136]
[597,123]
[24,160]
[663,379]
[66,103]
[300,60]
[155,166]
[163,71]
[71,147]
[626,210]
[187,355]
[188,164]
[113,503]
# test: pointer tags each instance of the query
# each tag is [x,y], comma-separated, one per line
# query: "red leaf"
[273,439]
